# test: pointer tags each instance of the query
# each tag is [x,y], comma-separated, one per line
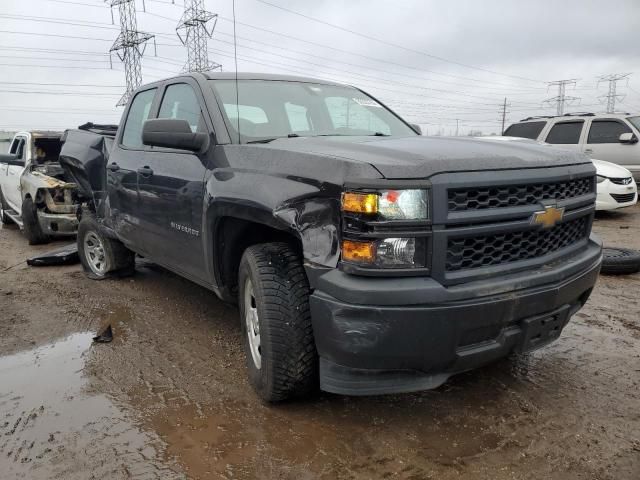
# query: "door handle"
[114,167]
[145,171]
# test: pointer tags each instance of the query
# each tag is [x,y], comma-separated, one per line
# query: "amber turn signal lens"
[360,202]
[359,252]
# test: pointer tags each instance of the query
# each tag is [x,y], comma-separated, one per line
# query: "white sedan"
[616,186]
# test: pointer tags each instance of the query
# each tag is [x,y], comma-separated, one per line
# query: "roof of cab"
[251,76]
[41,133]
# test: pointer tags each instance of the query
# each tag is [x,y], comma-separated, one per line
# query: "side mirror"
[173,133]
[628,138]
[416,128]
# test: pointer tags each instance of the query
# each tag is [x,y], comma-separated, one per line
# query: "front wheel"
[276,322]
[32,229]
[99,254]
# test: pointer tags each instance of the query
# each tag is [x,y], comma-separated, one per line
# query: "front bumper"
[58,224]
[382,335]
[605,200]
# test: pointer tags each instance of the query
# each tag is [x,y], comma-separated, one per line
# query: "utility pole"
[561,100]
[611,97]
[504,114]
[456,127]
[129,46]
[195,32]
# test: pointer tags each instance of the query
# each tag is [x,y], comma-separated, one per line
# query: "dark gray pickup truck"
[365,258]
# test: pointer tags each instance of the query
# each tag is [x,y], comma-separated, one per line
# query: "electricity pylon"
[611,97]
[561,100]
[129,46]
[196,26]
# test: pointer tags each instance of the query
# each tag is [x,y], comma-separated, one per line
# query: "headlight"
[386,253]
[600,178]
[389,204]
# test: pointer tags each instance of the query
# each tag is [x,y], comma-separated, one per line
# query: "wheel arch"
[232,235]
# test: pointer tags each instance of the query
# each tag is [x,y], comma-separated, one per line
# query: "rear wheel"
[276,322]
[32,229]
[99,254]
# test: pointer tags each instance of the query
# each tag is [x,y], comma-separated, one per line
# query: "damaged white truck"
[34,191]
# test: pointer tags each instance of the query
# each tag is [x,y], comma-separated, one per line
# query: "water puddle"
[50,427]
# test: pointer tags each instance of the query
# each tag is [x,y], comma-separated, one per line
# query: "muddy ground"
[168,397]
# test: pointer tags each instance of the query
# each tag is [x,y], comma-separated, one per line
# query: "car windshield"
[635,121]
[263,110]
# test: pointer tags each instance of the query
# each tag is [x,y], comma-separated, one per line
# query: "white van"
[605,136]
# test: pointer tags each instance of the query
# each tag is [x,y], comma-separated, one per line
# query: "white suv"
[605,136]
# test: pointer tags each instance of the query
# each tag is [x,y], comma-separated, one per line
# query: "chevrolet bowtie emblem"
[549,218]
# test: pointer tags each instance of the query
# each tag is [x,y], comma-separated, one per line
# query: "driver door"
[11,180]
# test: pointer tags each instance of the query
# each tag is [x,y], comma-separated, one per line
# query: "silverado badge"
[549,218]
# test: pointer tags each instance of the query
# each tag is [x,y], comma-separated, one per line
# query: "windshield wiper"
[269,140]
[264,140]
[379,134]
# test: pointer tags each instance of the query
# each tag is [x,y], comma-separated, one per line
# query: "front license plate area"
[540,330]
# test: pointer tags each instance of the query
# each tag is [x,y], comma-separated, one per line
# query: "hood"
[610,170]
[421,157]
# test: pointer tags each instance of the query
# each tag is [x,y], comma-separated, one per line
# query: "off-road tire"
[32,229]
[118,259]
[289,361]
[620,261]
[4,206]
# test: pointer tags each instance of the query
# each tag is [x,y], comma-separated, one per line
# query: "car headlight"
[389,204]
[600,178]
[386,252]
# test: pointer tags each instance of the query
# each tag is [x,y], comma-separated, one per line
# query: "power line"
[60,85]
[387,71]
[384,42]
[493,84]
[38,34]
[56,92]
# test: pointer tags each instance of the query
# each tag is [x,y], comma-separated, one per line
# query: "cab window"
[606,131]
[180,103]
[17,147]
[525,130]
[138,114]
[565,133]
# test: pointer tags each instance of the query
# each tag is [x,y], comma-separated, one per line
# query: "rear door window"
[565,133]
[525,130]
[138,114]
[606,131]
[180,102]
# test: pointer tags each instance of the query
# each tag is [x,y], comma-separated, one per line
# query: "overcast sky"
[435,62]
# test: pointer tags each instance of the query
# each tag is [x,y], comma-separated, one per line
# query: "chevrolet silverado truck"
[364,257]
[34,191]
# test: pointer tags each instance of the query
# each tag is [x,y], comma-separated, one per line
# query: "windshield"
[269,109]
[635,121]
